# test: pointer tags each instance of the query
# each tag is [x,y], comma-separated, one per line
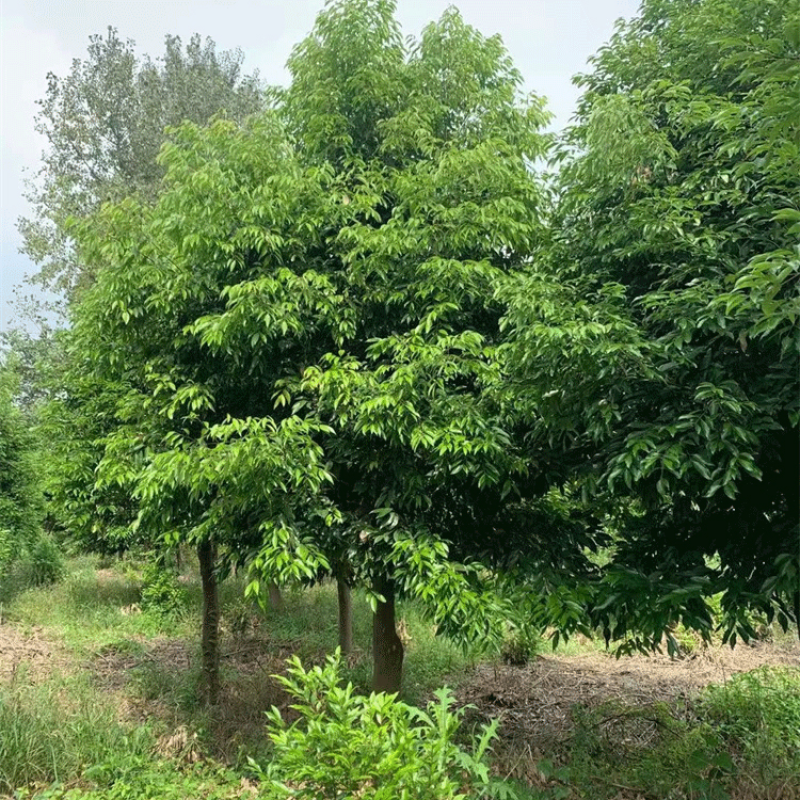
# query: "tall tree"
[668,369]
[104,125]
[309,302]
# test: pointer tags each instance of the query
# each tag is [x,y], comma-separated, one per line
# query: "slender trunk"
[797,612]
[275,597]
[206,555]
[387,649]
[345,616]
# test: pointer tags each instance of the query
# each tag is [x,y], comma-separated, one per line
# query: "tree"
[657,337]
[21,502]
[189,431]
[104,124]
[304,326]
[429,149]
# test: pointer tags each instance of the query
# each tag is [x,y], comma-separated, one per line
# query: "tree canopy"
[358,334]
[667,362]
[321,278]
[104,125]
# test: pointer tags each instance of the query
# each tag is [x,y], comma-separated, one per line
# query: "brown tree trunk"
[275,596]
[206,555]
[387,649]
[345,616]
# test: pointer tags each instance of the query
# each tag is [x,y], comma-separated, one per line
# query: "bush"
[347,745]
[26,565]
[161,592]
[522,644]
[46,562]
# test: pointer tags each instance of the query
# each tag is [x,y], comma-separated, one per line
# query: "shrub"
[161,592]
[347,745]
[46,562]
[27,564]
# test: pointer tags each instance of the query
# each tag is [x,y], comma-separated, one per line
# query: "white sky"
[549,41]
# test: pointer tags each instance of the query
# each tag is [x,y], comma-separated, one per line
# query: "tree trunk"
[387,649]
[797,612]
[206,555]
[275,597]
[345,616]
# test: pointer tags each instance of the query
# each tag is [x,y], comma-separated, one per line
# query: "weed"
[51,731]
[758,715]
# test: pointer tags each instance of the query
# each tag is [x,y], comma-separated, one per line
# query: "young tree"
[309,302]
[668,369]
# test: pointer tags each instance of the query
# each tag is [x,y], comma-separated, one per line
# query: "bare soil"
[535,702]
[31,652]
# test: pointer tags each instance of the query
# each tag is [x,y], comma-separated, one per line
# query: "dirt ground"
[32,652]
[534,702]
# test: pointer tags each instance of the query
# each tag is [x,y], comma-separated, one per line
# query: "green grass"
[89,611]
[134,777]
[52,731]
[757,714]
[64,729]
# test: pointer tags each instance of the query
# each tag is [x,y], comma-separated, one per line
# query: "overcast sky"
[549,41]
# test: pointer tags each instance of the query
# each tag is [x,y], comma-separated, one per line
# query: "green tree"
[104,125]
[21,501]
[303,322]
[657,337]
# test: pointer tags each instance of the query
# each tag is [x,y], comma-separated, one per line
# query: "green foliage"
[52,730]
[27,556]
[288,346]
[21,502]
[104,124]
[130,776]
[345,745]
[758,716]
[161,591]
[39,564]
[656,336]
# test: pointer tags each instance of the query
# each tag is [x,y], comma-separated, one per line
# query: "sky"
[549,40]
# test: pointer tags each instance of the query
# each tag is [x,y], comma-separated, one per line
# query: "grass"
[757,715]
[739,741]
[88,610]
[52,731]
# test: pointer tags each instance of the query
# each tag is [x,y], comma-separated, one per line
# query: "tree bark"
[387,649]
[345,616]
[275,597]
[206,555]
